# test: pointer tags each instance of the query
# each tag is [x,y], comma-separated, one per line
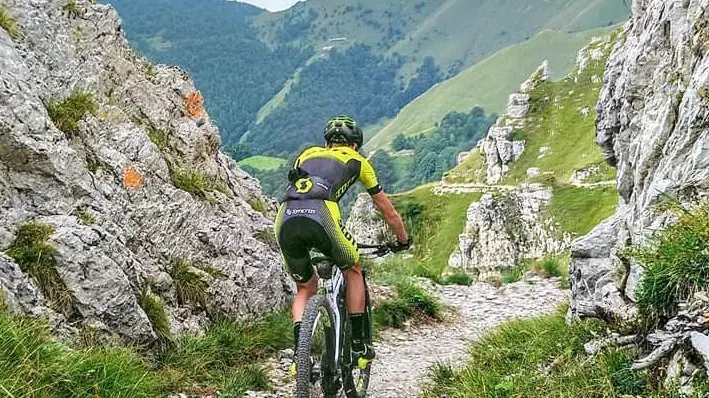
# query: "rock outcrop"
[504,228]
[129,190]
[652,124]
[366,224]
[500,146]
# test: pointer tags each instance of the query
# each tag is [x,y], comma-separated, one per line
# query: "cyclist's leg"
[344,251]
[292,236]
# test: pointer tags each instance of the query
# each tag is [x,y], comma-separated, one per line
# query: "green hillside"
[423,28]
[488,83]
[262,162]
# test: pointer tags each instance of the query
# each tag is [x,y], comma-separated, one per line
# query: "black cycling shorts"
[302,225]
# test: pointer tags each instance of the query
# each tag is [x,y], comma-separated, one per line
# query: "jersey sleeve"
[368,178]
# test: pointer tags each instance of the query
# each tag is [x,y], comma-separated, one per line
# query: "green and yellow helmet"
[344,130]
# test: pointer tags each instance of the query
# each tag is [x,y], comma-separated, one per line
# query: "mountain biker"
[309,217]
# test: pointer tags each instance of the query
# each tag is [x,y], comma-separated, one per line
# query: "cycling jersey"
[309,217]
[327,173]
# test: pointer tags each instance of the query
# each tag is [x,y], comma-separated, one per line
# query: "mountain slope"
[487,83]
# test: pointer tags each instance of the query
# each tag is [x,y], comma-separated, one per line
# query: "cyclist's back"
[309,218]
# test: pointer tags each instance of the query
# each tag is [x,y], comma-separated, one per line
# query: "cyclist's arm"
[382,202]
[391,216]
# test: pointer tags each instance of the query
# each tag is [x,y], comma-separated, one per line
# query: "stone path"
[466,188]
[404,356]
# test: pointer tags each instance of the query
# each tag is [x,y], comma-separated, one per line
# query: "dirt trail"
[404,356]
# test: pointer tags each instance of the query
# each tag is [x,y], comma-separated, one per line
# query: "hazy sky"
[272,5]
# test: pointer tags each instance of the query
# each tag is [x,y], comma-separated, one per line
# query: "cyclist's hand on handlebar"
[399,246]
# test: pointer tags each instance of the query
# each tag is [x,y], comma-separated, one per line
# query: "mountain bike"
[324,360]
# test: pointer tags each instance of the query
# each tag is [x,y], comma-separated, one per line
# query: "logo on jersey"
[303,185]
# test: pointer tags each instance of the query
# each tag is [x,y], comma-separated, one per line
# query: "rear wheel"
[315,356]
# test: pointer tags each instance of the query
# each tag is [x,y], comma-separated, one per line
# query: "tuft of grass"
[154,308]
[69,6]
[258,204]
[151,71]
[157,137]
[85,217]
[552,266]
[412,301]
[35,257]
[514,274]
[67,114]
[190,287]
[676,264]
[9,23]
[458,278]
[4,307]
[197,183]
[268,237]
[226,356]
[36,366]
[541,357]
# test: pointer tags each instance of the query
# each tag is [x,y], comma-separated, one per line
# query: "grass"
[154,308]
[34,365]
[258,204]
[158,137]
[36,257]
[487,83]
[578,210]
[265,163]
[67,114]
[676,264]
[457,278]
[541,357]
[471,170]
[268,237]
[197,183]
[9,23]
[412,301]
[69,6]
[85,217]
[435,223]
[556,121]
[225,359]
[514,274]
[189,285]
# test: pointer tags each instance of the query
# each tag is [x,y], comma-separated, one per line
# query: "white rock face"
[365,223]
[142,223]
[504,228]
[652,116]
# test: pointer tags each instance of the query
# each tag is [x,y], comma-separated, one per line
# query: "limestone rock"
[366,224]
[503,228]
[651,124]
[120,222]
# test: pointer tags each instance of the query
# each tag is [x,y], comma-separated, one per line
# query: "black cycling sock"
[296,333]
[357,321]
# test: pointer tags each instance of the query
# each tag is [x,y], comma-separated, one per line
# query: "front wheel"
[315,356]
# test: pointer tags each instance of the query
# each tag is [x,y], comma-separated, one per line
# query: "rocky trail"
[404,356]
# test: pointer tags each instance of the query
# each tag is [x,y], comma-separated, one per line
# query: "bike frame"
[334,287]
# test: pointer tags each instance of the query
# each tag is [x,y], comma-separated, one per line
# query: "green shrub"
[69,6]
[154,308]
[36,258]
[67,114]
[552,267]
[541,357]
[190,287]
[197,183]
[676,264]
[9,23]
[412,301]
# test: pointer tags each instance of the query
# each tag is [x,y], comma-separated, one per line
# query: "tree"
[400,143]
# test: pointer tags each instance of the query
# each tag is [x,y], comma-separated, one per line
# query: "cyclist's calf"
[355,289]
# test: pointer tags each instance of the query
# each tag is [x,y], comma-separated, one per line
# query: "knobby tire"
[303,354]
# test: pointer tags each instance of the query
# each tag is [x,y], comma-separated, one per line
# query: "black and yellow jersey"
[327,173]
